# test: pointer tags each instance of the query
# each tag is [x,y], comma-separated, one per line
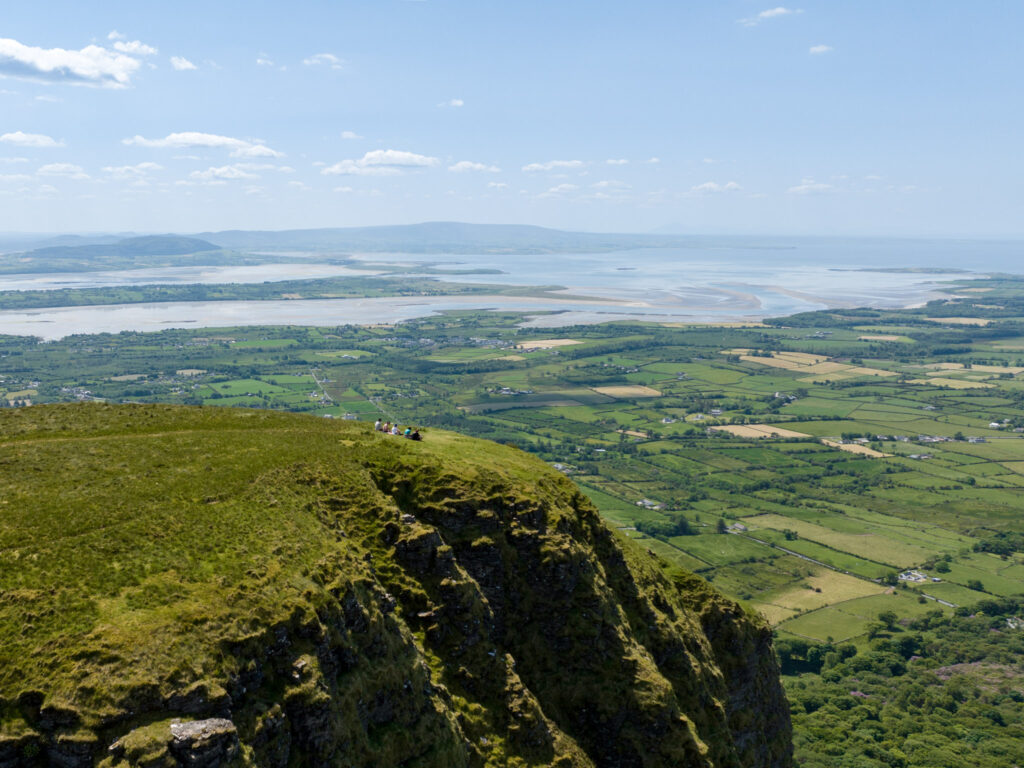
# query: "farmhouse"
[648,504]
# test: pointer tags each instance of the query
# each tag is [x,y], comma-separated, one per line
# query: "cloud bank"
[91,66]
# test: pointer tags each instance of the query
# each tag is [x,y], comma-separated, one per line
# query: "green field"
[649,462]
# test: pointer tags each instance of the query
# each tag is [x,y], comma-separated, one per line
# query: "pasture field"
[676,418]
[827,622]
[824,587]
[865,545]
[759,430]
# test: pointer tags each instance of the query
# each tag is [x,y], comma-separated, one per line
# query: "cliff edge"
[214,587]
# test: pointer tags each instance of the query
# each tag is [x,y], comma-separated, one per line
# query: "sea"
[709,280]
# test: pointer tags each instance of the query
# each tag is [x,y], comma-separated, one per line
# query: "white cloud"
[264,167]
[350,135]
[619,161]
[468,165]
[497,185]
[816,50]
[115,35]
[299,185]
[809,187]
[135,48]
[559,190]
[452,103]
[68,170]
[238,147]
[381,162]
[13,159]
[264,61]
[771,13]
[653,160]
[326,59]
[182,64]
[22,139]
[132,171]
[222,173]
[92,65]
[553,164]
[47,98]
[610,184]
[398,157]
[14,177]
[713,186]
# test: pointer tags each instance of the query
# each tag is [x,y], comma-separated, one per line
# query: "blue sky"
[727,116]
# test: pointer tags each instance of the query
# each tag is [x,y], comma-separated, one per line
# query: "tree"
[720,525]
[976,585]
[888,618]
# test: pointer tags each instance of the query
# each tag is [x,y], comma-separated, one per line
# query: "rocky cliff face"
[352,599]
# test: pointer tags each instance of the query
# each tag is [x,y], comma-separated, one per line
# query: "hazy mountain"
[149,245]
[440,237]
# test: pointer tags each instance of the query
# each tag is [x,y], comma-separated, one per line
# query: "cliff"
[212,587]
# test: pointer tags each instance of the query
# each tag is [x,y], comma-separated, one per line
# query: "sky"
[865,118]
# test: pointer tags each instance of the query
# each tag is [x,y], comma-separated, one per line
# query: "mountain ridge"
[224,587]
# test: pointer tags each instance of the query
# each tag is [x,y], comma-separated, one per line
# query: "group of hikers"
[393,429]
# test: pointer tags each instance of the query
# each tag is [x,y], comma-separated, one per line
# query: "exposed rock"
[208,743]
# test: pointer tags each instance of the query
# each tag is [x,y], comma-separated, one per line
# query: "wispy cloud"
[653,160]
[238,147]
[817,50]
[325,60]
[37,140]
[809,187]
[182,64]
[136,171]
[223,173]
[135,48]
[91,66]
[67,170]
[381,162]
[452,103]
[710,187]
[560,189]
[467,165]
[497,185]
[771,13]
[610,184]
[553,165]
[350,135]
[617,161]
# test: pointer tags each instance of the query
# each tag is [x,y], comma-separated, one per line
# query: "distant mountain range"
[150,245]
[436,237]
[440,237]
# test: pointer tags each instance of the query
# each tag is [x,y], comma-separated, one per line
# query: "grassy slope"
[160,561]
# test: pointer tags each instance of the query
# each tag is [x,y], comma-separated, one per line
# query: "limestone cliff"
[235,588]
